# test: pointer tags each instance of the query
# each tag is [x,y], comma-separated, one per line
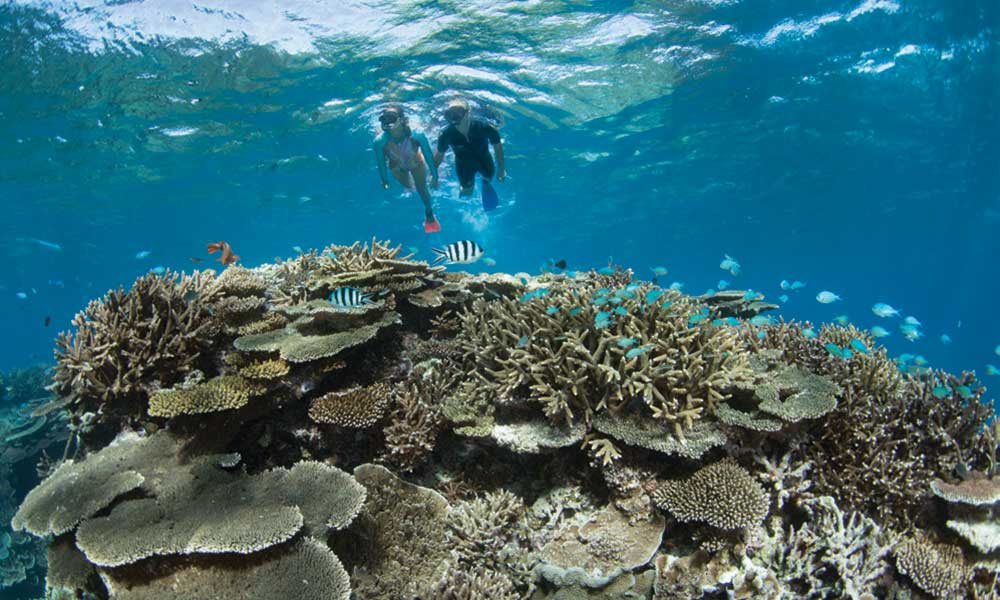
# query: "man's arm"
[442,147]
[498,151]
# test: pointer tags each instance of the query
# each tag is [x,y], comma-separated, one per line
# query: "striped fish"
[463,252]
[349,297]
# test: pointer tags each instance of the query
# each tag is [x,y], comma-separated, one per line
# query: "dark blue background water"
[852,145]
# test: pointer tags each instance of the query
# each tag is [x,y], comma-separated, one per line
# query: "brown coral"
[358,407]
[157,330]
[577,351]
[937,569]
[723,495]
[221,393]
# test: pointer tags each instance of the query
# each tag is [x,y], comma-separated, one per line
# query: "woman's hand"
[385,185]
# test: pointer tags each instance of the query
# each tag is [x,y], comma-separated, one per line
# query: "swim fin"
[490,198]
[432,226]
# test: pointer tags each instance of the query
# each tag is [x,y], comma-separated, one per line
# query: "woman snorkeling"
[409,158]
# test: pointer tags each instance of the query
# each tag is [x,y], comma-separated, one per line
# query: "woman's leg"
[420,181]
[403,177]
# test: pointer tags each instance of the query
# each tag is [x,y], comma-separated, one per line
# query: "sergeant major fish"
[463,253]
[349,297]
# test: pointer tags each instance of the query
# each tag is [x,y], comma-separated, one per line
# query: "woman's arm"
[378,146]
[425,148]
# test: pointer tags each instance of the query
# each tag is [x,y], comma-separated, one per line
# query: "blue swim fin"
[490,198]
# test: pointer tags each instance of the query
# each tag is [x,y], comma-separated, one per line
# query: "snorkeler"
[407,152]
[468,137]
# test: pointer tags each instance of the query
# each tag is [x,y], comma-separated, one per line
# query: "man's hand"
[434,183]
[385,185]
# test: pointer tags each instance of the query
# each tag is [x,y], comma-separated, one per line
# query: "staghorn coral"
[563,347]
[723,494]
[305,570]
[358,407]
[158,330]
[488,531]
[937,569]
[227,392]
[416,420]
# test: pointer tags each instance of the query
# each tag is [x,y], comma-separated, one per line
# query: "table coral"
[228,392]
[358,407]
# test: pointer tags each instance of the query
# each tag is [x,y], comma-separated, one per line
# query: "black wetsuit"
[472,155]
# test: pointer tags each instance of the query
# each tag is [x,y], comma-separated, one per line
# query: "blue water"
[854,146]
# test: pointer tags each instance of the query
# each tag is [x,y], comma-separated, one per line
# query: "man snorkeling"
[407,152]
[468,137]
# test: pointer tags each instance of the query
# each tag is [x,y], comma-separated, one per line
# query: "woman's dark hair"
[391,113]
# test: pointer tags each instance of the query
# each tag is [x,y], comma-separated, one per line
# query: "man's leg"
[466,167]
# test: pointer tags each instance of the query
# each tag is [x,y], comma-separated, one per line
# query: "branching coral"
[576,351]
[723,494]
[416,420]
[889,436]
[157,330]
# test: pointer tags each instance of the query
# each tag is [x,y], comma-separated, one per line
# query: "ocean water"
[854,146]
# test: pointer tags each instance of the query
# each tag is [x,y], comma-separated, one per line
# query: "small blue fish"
[21,295]
[602,316]
[785,285]
[760,320]
[677,285]
[783,298]
[522,342]
[905,357]
[575,311]
[992,370]
[551,310]
[881,309]
[797,285]
[627,342]
[606,271]
[996,351]
[842,319]
[659,271]
[750,295]
[696,318]
[941,391]
[653,295]
[709,292]
[809,332]
[732,321]
[730,264]
[158,270]
[846,354]
[142,254]
[761,335]
[919,360]
[638,350]
[718,322]
[599,301]
[859,346]
[615,300]
[879,331]
[667,304]
[626,293]
[964,391]
[826,297]
[524,281]
[945,339]
[410,249]
[602,292]
[620,310]
[297,249]
[722,284]
[526,296]
[834,349]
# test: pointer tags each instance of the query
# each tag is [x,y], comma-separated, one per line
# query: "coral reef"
[461,437]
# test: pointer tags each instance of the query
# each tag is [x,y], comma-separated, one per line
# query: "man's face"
[455,114]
